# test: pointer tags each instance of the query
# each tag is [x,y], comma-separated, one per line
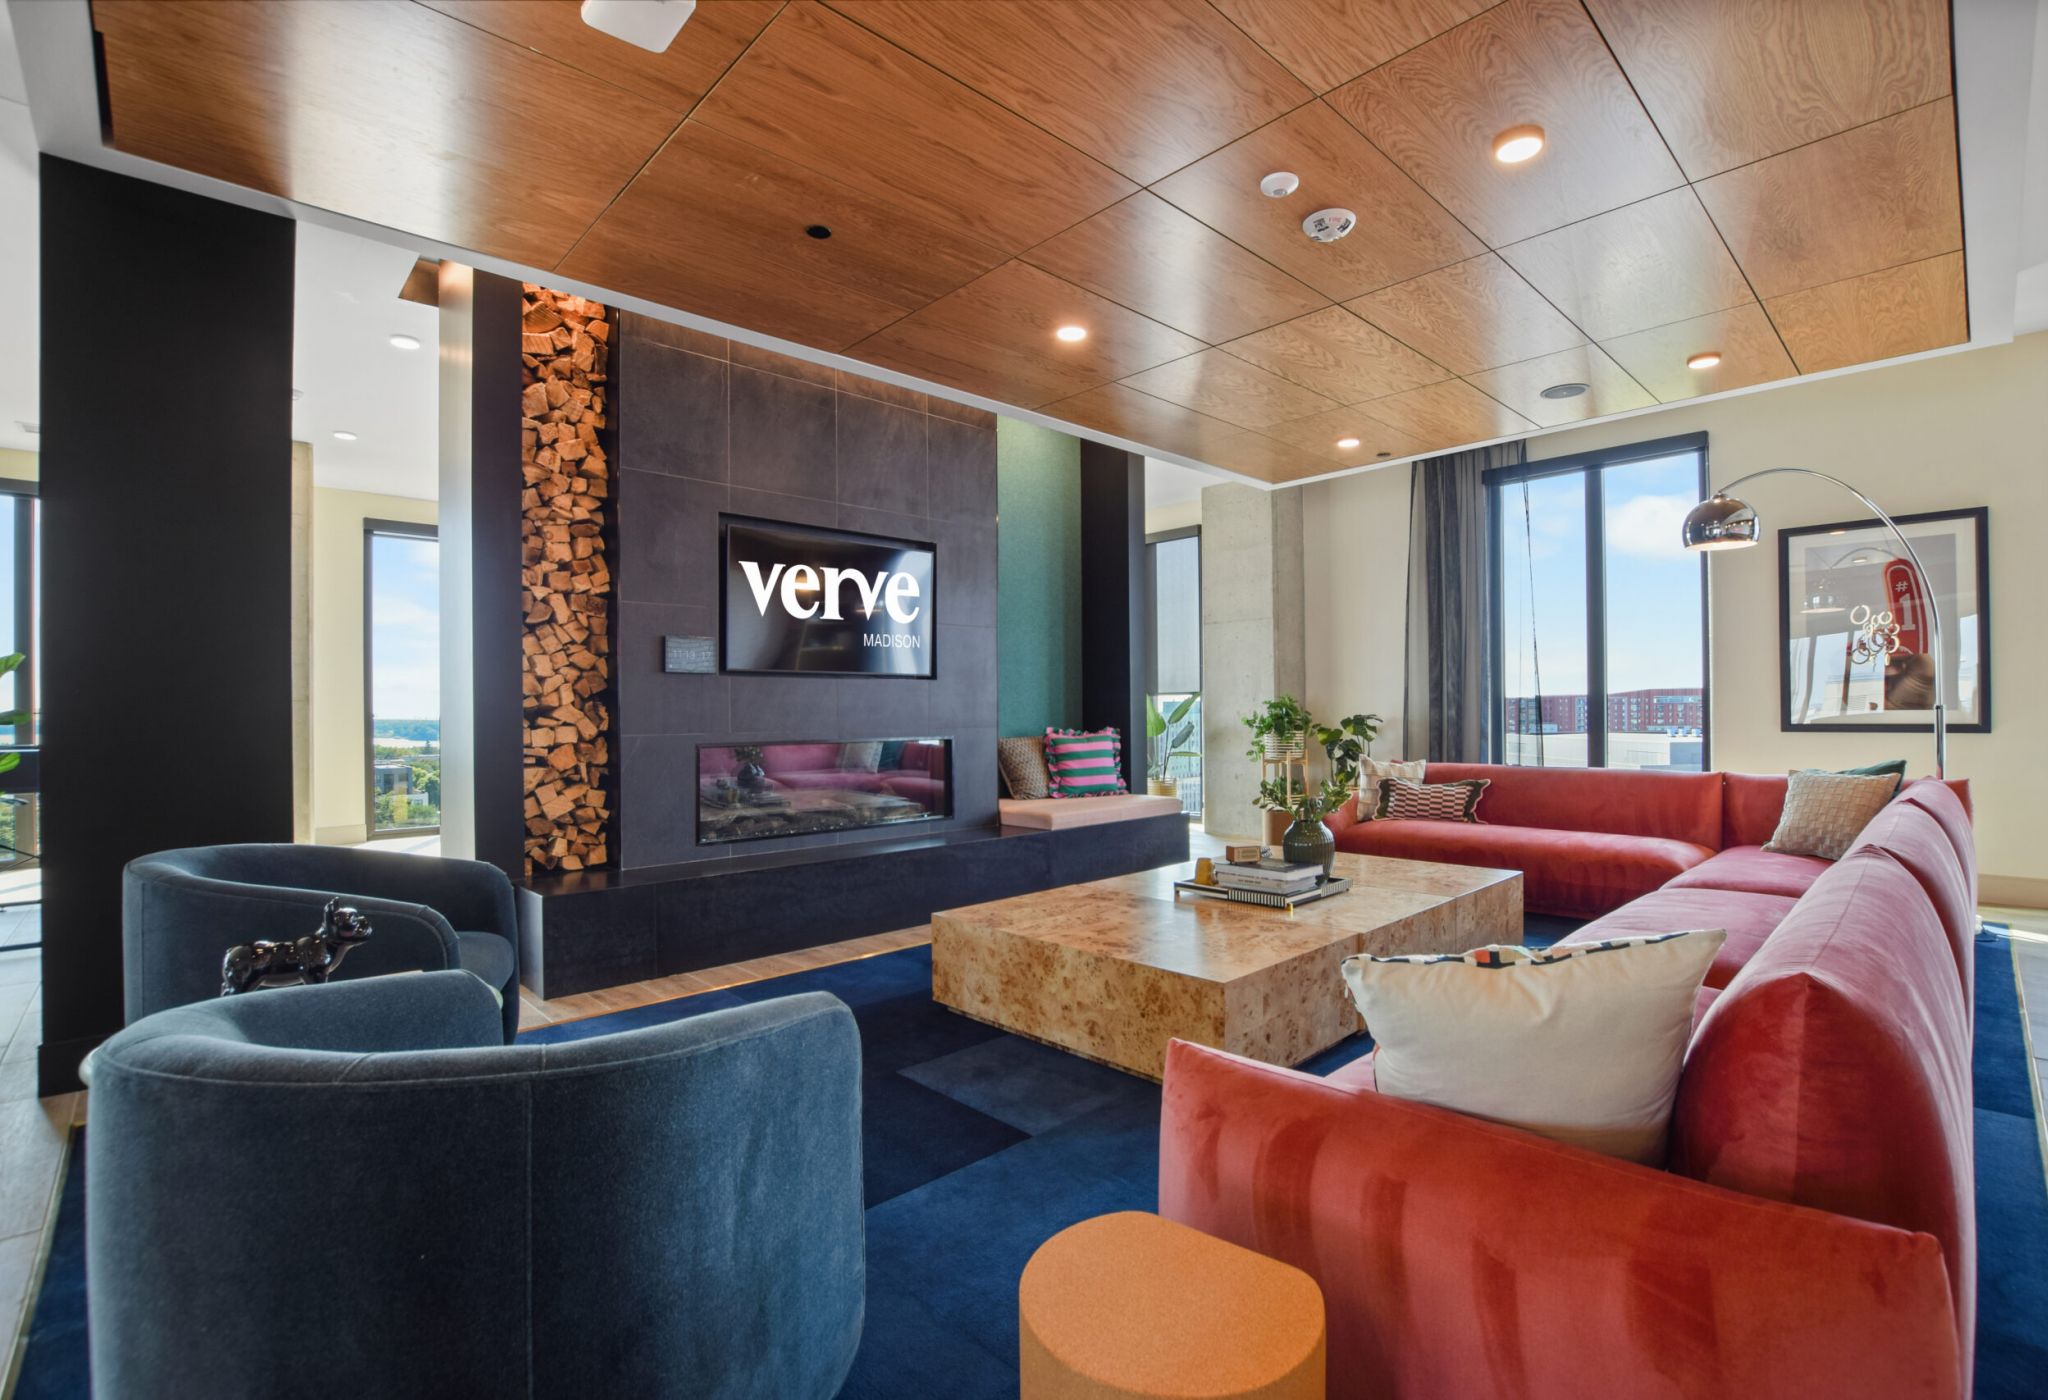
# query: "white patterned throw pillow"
[1581,1043]
[1374,771]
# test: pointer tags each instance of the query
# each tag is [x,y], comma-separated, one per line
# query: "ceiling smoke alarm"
[1280,184]
[1329,225]
[1564,391]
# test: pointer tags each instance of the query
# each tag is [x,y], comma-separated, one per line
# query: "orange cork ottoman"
[1132,1305]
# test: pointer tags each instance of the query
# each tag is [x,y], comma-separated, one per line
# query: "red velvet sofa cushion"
[1575,874]
[1748,918]
[1619,801]
[1908,833]
[1834,1071]
[1754,870]
[1462,1258]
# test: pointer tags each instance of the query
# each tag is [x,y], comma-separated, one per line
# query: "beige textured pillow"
[1022,762]
[1825,812]
[1371,771]
[1581,1042]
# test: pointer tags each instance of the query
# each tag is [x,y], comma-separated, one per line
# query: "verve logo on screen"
[802,597]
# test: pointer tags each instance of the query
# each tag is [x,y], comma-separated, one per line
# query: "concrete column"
[1253,640]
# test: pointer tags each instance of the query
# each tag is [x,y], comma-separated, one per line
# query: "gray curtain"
[1450,605]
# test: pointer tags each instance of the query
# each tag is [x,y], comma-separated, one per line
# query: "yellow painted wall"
[17,465]
[1961,430]
[338,755]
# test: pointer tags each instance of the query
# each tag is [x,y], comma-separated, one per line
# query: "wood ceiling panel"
[1145,89]
[1401,233]
[1436,110]
[1898,311]
[818,89]
[716,35]
[716,227]
[1328,42]
[1636,267]
[1219,384]
[1339,356]
[1121,411]
[1446,415]
[995,337]
[1470,316]
[1872,198]
[382,110]
[1608,387]
[1729,84]
[1743,337]
[1320,433]
[1156,260]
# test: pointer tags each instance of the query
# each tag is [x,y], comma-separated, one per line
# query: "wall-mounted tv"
[804,600]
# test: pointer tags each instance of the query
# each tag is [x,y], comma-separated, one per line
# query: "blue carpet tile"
[979,1145]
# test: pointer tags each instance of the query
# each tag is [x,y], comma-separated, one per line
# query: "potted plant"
[1169,731]
[1306,841]
[1346,744]
[1279,729]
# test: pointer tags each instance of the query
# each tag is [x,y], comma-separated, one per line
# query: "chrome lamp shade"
[1721,522]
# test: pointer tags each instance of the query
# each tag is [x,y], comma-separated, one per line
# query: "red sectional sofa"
[1813,1231]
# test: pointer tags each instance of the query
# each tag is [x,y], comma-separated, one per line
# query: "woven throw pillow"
[1825,812]
[1431,802]
[1085,763]
[1022,762]
[864,756]
[1372,772]
[1581,1043]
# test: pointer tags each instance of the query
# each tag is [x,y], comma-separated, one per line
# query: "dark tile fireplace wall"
[708,426]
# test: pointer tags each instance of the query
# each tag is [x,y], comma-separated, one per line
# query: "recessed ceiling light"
[1517,144]
[1564,391]
[1706,359]
[818,231]
[1072,333]
[405,342]
[340,436]
[1347,443]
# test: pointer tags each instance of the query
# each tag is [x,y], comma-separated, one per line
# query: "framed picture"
[1856,629]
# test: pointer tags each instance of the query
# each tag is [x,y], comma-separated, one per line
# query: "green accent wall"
[1038,574]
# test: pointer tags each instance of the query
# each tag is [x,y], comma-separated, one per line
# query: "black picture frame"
[823,532]
[1971,525]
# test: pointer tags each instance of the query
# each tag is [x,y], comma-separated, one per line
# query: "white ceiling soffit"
[1995,46]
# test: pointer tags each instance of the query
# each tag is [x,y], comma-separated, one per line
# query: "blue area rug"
[980,1145]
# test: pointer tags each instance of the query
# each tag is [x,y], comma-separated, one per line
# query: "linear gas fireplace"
[747,792]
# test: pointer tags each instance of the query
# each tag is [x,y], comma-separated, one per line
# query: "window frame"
[413,529]
[1591,467]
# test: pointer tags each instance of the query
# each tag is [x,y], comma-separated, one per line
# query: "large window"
[402,662]
[21,876]
[1599,611]
[1173,561]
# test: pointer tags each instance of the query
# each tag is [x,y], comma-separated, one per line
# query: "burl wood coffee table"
[1115,969]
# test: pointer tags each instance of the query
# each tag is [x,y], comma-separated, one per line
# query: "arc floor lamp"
[1723,521]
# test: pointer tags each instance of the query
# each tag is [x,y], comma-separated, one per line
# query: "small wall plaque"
[689,655]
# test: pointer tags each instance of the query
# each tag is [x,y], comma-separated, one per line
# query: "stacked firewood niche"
[567,647]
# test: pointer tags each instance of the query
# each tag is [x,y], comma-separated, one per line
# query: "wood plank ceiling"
[1773,181]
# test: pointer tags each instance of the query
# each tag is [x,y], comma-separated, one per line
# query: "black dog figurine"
[313,958]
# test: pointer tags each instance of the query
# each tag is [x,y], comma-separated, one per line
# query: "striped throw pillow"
[1084,763]
[1431,802]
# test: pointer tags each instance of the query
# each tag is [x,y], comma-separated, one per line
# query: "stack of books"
[1280,880]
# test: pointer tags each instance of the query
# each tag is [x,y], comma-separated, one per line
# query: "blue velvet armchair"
[354,1190]
[181,910]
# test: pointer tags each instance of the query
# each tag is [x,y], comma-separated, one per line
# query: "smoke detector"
[1329,225]
[646,24]
[1280,184]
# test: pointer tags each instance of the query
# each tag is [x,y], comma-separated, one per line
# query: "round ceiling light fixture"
[1280,184]
[1706,359]
[341,435]
[1071,334]
[1564,391]
[405,342]
[1517,144]
[1347,443]
[1329,225]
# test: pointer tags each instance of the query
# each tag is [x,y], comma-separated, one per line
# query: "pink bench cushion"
[1058,813]
[1748,918]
